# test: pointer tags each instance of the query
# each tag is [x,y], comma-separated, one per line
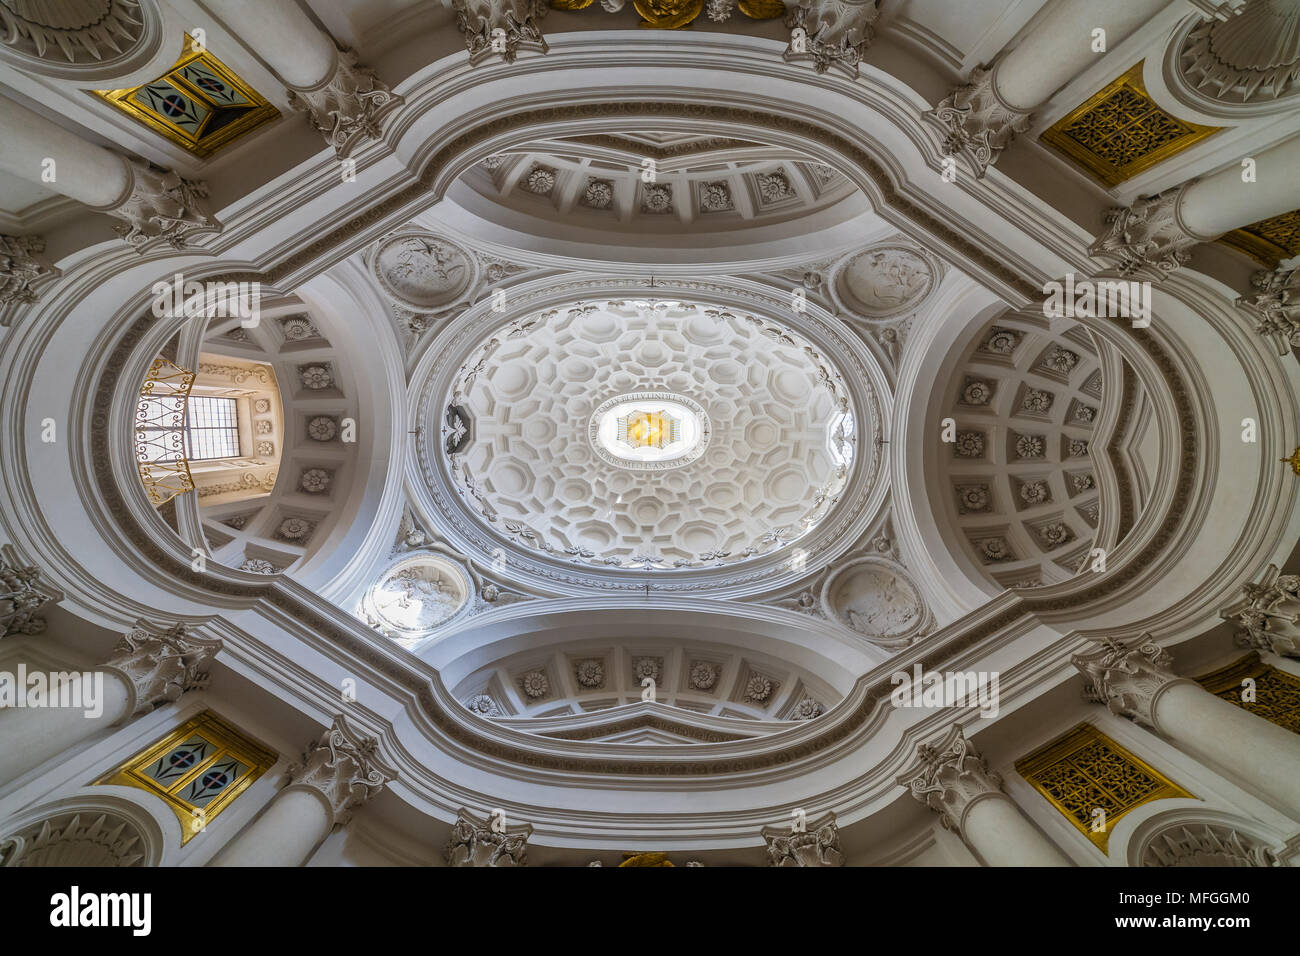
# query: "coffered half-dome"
[648,435]
[633,190]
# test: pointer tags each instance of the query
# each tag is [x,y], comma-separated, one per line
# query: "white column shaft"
[84,171]
[1003,836]
[29,736]
[1222,202]
[282,35]
[284,835]
[1059,47]
[1248,747]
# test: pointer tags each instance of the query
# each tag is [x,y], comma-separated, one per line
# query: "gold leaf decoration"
[1120,131]
[668,14]
[762,9]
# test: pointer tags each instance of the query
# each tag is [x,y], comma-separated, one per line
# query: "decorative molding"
[160,664]
[343,766]
[977,123]
[22,595]
[476,842]
[348,105]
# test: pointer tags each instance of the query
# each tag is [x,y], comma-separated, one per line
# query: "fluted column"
[984,115]
[344,100]
[1135,680]
[1154,236]
[153,204]
[150,666]
[954,781]
[338,774]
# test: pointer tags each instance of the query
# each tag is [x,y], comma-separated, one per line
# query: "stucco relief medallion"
[419,594]
[423,271]
[876,598]
[883,282]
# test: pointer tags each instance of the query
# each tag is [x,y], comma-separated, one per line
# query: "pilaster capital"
[1269,614]
[831,33]
[347,106]
[950,777]
[503,27]
[344,768]
[22,268]
[160,664]
[158,205]
[1148,240]
[1128,678]
[1275,304]
[22,595]
[815,844]
[477,842]
[977,123]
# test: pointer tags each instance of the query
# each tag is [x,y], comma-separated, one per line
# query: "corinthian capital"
[22,595]
[344,768]
[476,842]
[978,123]
[161,664]
[831,32]
[1128,678]
[1148,239]
[1276,305]
[22,268]
[160,206]
[347,105]
[815,844]
[949,777]
[503,27]
[1269,614]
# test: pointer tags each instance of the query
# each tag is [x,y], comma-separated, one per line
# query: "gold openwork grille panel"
[1268,241]
[1084,771]
[1277,693]
[1121,131]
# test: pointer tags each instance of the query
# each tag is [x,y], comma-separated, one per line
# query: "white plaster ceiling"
[703,677]
[530,473]
[1019,480]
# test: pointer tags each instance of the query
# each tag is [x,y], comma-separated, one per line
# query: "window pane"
[211,429]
